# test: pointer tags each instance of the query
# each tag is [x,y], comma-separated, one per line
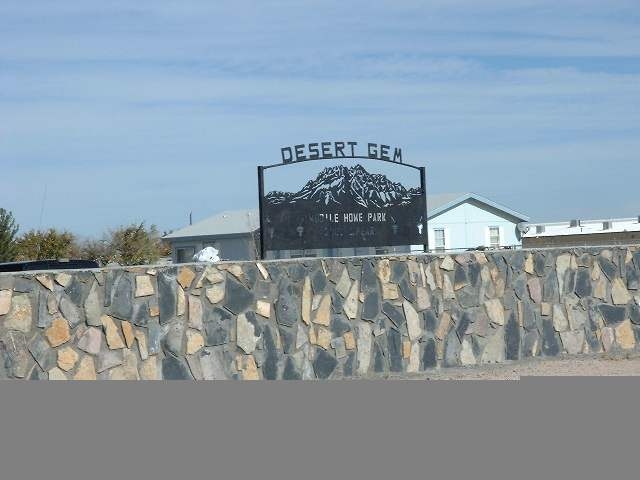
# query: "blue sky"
[147,110]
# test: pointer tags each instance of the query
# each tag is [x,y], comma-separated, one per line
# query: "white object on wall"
[208,254]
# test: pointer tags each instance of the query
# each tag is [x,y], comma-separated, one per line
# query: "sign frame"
[376,157]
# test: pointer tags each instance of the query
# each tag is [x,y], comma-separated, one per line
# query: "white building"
[583,233]
[455,222]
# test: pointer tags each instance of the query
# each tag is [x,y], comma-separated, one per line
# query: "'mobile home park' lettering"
[329,150]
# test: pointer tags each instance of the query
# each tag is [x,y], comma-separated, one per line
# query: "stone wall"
[318,318]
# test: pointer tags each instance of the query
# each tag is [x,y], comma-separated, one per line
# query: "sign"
[346,204]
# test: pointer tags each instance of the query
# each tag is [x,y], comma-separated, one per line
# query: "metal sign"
[347,204]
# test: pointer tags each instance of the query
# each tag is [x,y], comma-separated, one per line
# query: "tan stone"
[152,271]
[480,257]
[383,269]
[443,326]
[344,284]
[235,270]
[413,321]
[560,321]
[315,302]
[447,264]
[390,291]
[245,334]
[573,342]
[250,371]
[46,281]
[141,337]
[467,356]
[528,265]
[215,294]
[20,315]
[495,311]
[111,331]
[364,348]
[195,312]
[212,275]
[414,359]
[306,301]
[5,301]
[406,349]
[447,289]
[625,336]
[349,341]
[154,310]
[322,316]
[67,358]
[431,281]
[596,272]
[608,338]
[64,279]
[57,374]
[195,341]
[149,369]
[86,369]
[563,263]
[619,292]
[423,301]
[263,308]
[144,287]
[182,302]
[600,288]
[186,277]
[545,309]
[313,338]
[535,289]
[58,333]
[500,286]
[323,338]
[127,331]
[263,271]
[128,370]
[52,304]
[494,351]
[350,305]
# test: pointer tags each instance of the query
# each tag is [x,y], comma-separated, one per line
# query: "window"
[438,235]
[494,237]
[185,254]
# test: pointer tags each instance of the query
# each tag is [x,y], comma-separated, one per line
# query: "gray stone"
[408,291]
[530,316]
[93,306]
[539,262]
[44,318]
[429,355]
[550,288]
[339,346]
[369,277]
[572,341]
[323,363]
[174,341]
[155,334]
[460,278]
[121,304]
[608,267]
[452,350]
[70,312]
[583,283]
[430,320]
[463,325]
[287,339]
[633,278]
[318,281]
[270,366]
[175,369]
[216,326]
[237,297]
[394,339]
[211,365]
[349,364]
[530,344]
[42,353]
[393,313]
[17,360]
[109,359]
[288,305]
[91,341]
[371,307]
[379,362]
[634,313]
[339,325]
[550,346]
[512,338]
[520,286]
[297,272]
[245,334]
[167,294]
[141,315]
[24,285]
[494,351]
[76,291]
[612,315]
[291,370]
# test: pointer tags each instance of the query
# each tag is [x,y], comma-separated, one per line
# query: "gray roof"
[229,222]
[234,222]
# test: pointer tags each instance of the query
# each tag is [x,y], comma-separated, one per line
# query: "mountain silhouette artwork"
[344,207]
